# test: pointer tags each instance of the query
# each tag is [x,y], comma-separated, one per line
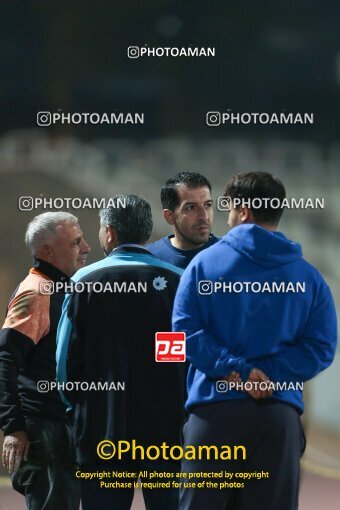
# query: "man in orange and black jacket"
[37,449]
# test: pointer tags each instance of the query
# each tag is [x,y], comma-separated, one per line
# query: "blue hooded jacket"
[290,336]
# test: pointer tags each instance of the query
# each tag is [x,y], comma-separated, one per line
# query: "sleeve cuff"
[245,371]
[14,426]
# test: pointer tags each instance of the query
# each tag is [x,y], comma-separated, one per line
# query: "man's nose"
[203,213]
[85,247]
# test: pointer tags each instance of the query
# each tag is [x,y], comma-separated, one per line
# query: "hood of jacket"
[262,246]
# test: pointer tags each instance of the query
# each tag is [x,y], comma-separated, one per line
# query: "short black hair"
[260,185]
[169,195]
[133,223]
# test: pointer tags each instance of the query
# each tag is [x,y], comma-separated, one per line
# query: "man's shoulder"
[33,282]
[210,256]
[35,288]
[87,270]
[29,309]
[310,272]
[158,246]
[162,264]
[112,261]
[214,246]
[96,267]
[165,251]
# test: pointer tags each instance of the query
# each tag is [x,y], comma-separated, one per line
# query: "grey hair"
[43,228]
[131,218]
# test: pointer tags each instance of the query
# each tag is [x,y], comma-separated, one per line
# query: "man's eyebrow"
[76,239]
[193,203]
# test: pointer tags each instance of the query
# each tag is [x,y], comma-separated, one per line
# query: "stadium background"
[270,57]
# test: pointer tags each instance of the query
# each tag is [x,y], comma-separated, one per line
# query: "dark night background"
[270,57]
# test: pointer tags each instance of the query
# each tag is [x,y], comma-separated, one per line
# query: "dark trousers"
[272,434]
[92,496]
[47,478]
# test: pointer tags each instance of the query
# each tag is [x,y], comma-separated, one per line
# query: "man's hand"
[14,449]
[233,377]
[256,376]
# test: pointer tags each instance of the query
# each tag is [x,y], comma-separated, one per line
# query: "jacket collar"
[47,269]
[129,247]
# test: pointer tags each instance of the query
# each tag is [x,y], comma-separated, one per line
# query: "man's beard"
[195,242]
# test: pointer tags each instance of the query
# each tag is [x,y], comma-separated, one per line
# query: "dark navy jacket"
[164,250]
[110,337]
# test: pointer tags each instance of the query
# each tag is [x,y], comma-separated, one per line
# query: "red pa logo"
[170,347]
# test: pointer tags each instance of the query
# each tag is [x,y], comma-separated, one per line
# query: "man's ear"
[46,253]
[246,215]
[111,235]
[169,216]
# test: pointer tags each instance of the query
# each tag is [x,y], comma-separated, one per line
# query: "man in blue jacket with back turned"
[259,321]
